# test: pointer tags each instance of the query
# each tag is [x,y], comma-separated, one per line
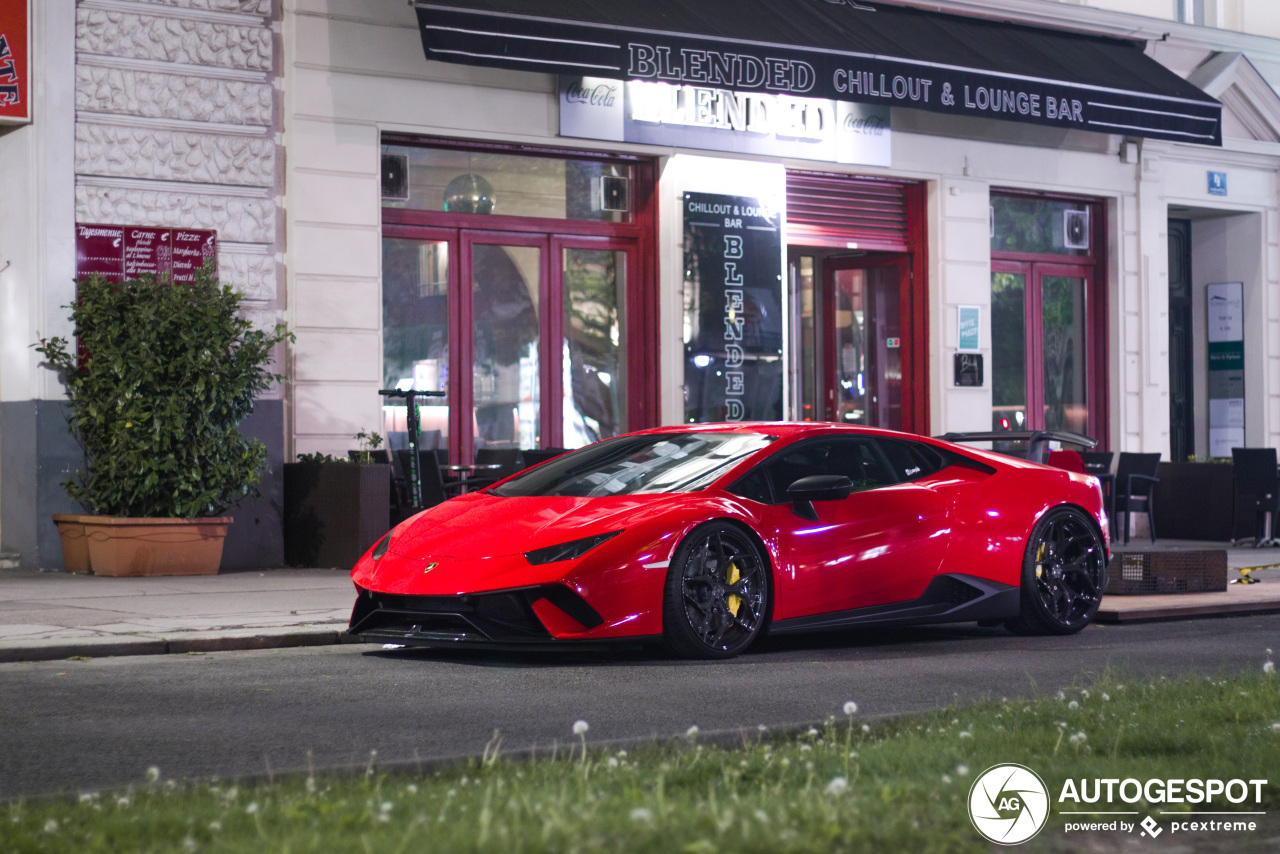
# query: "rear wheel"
[1063,573]
[717,593]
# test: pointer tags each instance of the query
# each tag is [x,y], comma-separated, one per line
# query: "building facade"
[571,254]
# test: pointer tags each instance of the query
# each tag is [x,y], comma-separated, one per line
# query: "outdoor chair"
[1257,488]
[1135,480]
[1097,462]
[434,489]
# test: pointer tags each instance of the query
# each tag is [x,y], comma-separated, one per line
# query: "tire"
[717,593]
[1063,574]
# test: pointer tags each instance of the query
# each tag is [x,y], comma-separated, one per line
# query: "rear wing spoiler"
[1037,440]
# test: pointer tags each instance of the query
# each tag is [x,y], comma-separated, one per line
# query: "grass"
[899,785]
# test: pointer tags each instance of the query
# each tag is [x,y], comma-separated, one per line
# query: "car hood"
[482,525]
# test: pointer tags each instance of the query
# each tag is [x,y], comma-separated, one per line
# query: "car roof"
[781,429]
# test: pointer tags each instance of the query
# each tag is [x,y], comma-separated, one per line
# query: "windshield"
[636,465]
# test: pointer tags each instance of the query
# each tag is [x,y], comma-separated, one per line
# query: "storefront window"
[1039,226]
[506,388]
[482,182]
[595,356]
[415,333]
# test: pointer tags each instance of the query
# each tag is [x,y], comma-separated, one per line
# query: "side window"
[753,485]
[856,457]
[911,460]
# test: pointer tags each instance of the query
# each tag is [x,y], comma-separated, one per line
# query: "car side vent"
[955,592]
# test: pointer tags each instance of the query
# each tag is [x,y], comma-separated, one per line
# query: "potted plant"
[335,509]
[159,382]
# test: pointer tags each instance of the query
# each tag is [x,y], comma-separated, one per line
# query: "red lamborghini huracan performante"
[704,536]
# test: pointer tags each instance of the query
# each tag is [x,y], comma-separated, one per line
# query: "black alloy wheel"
[717,593]
[1063,574]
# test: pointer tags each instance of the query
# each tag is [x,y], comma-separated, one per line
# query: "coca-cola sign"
[718,119]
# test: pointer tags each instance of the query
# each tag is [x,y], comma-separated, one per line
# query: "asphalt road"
[86,725]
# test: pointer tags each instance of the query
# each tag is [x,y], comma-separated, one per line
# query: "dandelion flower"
[641,814]
[122,802]
[580,727]
[1106,698]
[837,786]
[866,728]
[215,826]
[962,770]
[86,797]
[1269,667]
[1073,705]
[805,747]
[691,732]
[252,808]
[850,708]
[153,774]
[1061,695]
[612,762]
[1275,727]
[51,826]
[1084,694]
[762,816]
[966,734]
[811,732]
[946,779]
[1078,738]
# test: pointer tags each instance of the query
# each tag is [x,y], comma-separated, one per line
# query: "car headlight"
[569,550]
[380,548]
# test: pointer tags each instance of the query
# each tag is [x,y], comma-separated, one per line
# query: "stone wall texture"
[178,126]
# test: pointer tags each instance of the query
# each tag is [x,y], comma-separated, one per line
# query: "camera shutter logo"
[1008,804]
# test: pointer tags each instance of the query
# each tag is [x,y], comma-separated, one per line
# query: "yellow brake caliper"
[1040,561]
[731,575]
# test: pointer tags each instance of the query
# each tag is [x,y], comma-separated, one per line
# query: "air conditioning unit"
[615,193]
[395,177]
[1075,229]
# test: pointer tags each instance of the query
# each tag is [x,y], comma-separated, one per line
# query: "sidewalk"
[53,615]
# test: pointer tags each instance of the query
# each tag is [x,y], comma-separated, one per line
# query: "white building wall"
[355,69]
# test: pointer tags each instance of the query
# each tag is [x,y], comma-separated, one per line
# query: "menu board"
[119,252]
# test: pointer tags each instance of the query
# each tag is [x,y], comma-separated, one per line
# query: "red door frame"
[638,235]
[830,357]
[915,311]
[1091,267]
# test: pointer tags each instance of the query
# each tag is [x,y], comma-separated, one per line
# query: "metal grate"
[1199,571]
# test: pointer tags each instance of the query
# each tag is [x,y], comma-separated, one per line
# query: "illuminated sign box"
[709,118]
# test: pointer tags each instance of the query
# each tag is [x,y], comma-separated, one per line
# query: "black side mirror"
[818,487]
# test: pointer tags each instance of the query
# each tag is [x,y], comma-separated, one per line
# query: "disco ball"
[469,193]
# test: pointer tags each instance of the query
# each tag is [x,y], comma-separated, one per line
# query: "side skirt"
[947,599]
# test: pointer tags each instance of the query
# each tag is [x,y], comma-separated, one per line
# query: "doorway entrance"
[855,352]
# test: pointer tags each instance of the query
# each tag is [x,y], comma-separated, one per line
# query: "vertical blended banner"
[732,309]
[1226,367]
[15,62]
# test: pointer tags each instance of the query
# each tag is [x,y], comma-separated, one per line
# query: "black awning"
[866,51]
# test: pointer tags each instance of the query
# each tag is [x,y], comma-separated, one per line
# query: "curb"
[178,646]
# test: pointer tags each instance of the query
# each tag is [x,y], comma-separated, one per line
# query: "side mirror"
[818,487]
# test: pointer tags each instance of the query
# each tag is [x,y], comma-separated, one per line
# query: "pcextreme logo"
[1008,804]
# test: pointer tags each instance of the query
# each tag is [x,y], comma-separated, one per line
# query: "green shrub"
[162,378]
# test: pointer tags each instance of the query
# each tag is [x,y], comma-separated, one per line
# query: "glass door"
[866,356]
[1039,326]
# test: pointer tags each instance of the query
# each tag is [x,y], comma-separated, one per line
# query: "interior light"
[702,361]
[404,384]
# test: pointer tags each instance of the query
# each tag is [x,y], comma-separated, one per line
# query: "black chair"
[434,489]
[1257,488]
[1135,480]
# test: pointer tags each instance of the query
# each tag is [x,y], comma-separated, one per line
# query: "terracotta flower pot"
[121,546]
[75,547]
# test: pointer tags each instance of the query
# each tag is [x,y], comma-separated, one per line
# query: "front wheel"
[1063,573]
[717,593]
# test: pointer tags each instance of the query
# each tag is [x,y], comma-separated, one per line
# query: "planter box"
[333,512]
[75,548]
[1195,501]
[126,547]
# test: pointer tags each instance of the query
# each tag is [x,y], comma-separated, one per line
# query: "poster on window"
[732,309]
[1226,367]
[119,252]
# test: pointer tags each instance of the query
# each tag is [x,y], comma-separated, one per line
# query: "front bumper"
[529,616]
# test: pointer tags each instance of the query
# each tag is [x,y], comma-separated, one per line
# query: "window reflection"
[506,388]
[595,379]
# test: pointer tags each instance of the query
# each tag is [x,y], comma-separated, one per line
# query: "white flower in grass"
[88,797]
[1269,667]
[153,774]
[691,732]
[189,844]
[946,779]
[215,826]
[962,770]
[1073,705]
[1275,727]
[762,816]
[1078,738]
[641,814]
[850,708]
[811,732]
[866,728]
[966,734]
[580,727]
[1106,698]
[1061,695]
[252,808]
[612,762]
[1084,694]
[837,786]
[122,802]
[51,826]
[805,747]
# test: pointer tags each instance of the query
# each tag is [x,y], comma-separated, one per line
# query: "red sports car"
[706,535]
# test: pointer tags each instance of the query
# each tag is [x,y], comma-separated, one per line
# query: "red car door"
[881,545]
